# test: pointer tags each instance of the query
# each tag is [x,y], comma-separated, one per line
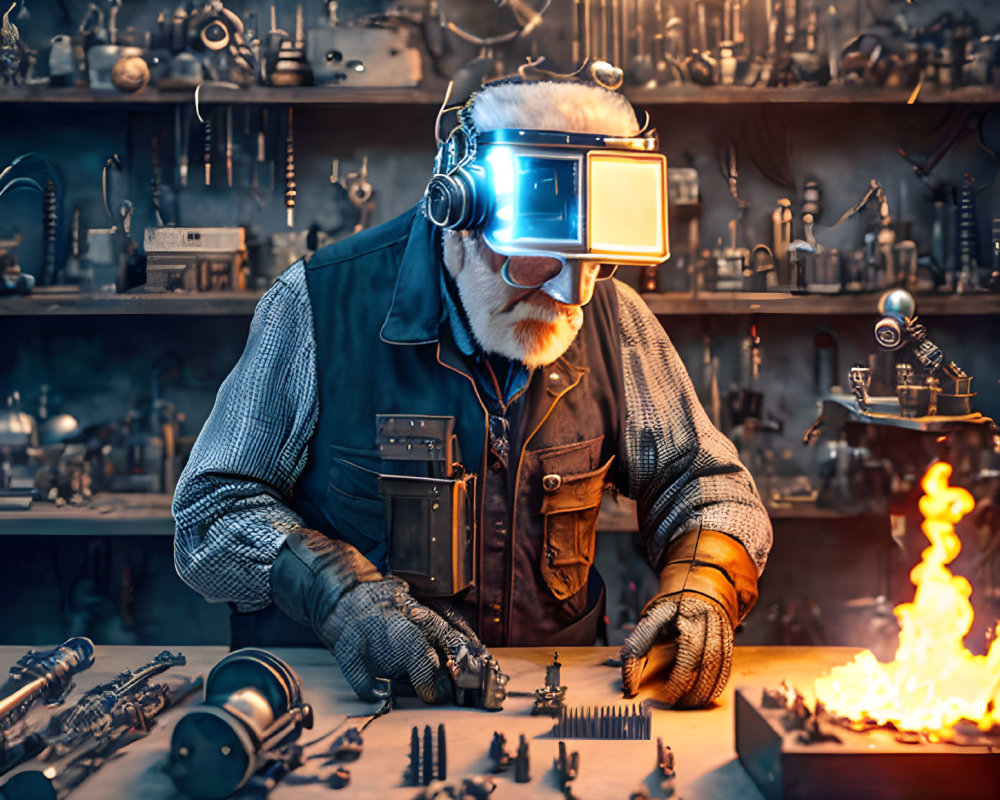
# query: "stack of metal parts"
[424,767]
[607,722]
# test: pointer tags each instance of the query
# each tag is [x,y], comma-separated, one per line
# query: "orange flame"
[934,681]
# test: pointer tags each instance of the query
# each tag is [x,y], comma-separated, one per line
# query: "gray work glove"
[703,637]
[371,624]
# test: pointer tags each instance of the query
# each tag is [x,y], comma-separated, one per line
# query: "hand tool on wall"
[33,171]
[290,173]
[206,134]
[154,182]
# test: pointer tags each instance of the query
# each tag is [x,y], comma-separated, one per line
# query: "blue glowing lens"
[548,199]
[536,198]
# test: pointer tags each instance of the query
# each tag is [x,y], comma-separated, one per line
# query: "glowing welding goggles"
[592,201]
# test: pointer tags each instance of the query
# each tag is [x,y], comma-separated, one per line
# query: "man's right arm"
[231,503]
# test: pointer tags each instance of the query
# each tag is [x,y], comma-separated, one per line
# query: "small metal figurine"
[15,56]
[551,697]
[498,753]
[522,763]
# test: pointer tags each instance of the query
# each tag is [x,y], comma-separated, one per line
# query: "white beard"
[533,334]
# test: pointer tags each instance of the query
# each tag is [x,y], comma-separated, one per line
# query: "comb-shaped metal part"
[607,722]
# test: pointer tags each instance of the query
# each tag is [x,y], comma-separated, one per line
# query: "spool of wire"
[252,715]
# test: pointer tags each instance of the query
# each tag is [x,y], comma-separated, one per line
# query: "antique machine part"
[607,722]
[860,378]
[252,715]
[425,764]
[102,720]
[109,718]
[43,675]
[33,171]
[16,57]
[934,385]
[195,259]
[291,67]
[551,697]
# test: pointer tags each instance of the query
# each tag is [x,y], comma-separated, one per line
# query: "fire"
[934,681]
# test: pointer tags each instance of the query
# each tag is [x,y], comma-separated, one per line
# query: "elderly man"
[444,398]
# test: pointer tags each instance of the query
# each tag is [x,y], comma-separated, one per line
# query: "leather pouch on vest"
[571,505]
[429,503]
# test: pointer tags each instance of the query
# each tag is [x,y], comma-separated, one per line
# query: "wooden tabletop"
[702,740]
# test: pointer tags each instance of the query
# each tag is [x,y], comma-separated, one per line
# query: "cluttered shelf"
[689,303]
[140,514]
[105,514]
[57,301]
[342,95]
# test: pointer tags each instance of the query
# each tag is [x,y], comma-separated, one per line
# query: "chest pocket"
[570,505]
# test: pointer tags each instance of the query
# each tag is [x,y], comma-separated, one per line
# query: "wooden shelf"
[250,95]
[688,303]
[340,95]
[149,515]
[105,515]
[45,302]
[686,93]
[52,302]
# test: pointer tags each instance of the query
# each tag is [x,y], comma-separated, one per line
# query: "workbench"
[702,740]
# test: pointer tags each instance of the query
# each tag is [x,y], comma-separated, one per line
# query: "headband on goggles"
[572,196]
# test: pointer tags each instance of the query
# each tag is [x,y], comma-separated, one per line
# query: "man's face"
[523,324]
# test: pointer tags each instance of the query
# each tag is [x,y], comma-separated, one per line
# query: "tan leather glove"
[682,646]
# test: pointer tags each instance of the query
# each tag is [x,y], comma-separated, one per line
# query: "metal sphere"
[897,301]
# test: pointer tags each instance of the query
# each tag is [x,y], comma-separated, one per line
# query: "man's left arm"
[706,531]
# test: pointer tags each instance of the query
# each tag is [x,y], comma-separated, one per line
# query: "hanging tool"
[229,146]
[360,193]
[206,133]
[180,145]
[154,183]
[290,173]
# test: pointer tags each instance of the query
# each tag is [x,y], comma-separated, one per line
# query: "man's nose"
[532,270]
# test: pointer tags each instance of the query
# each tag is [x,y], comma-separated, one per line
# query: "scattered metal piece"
[522,763]
[442,754]
[665,759]
[498,753]
[339,778]
[568,767]
[347,746]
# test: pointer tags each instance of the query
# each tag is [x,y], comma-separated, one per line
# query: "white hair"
[553,106]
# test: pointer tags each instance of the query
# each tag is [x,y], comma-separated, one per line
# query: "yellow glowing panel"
[627,206]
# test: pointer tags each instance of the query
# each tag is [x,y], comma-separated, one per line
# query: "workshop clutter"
[59,458]
[245,736]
